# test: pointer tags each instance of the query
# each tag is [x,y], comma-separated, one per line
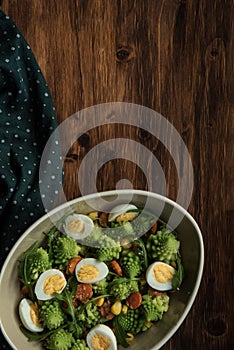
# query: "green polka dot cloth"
[27,119]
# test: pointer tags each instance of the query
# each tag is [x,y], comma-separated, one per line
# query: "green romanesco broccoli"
[107,254]
[64,249]
[132,321]
[131,263]
[80,344]
[88,314]
[154,307]
[100,288]
[37,263]
[59,340]
[121,290]
[93,239]
[127,232]
[163,246]
[142,224]
[51,314]
[119,231]
[109,249]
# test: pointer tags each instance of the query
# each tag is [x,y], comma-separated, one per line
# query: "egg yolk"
[88,273]
[34,314]
[53,284]
[100,342]
[76,226]
[126,217]
[162,273]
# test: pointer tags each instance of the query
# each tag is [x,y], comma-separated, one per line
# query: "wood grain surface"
[176,57]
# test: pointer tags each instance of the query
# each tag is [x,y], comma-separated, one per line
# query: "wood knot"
[84,140]
[214,53]
[70,157]
[144,135]
[124,53]
[215,49]
[216,327]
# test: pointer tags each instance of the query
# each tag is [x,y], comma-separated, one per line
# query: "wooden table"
[176,57]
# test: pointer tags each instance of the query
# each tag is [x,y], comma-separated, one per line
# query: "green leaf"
[120,333]
[50,238]
[143,252]
[179,274]
[51,235]
[36,336]
[66,296]
[120,280]
[23,268]
[139,210]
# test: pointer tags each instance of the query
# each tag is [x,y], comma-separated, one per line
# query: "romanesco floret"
[51,314]
[100,288]
[93,239]
[132,321]
[107,254]
[38,263]
[88,314]
[128,229]
[80,344]
[119,231]
[109,249]
[131,263]
[163,246]
[154,307]
[142,224]
[64,249]
[122,290]
[59,340]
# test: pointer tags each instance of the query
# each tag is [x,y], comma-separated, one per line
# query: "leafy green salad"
[98,279]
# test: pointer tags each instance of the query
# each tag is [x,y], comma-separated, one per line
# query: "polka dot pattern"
[27,118]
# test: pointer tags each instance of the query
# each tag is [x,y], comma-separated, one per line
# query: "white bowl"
[192,252]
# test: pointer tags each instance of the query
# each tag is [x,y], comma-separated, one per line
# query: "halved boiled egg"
[123,212]
[91,270]
[159,276]
[50,282]
[29,315]
[78,226]
[101,337]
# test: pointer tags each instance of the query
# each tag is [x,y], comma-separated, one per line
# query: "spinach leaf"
[179,274]
[142,252]
[36,336]
[120,333]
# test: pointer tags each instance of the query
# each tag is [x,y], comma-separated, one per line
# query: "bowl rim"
[116,192]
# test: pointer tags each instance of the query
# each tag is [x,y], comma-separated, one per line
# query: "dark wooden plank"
[175,57]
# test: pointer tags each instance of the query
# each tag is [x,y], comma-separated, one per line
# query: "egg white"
[39,287]
[24,313]
[88,226]
[120,209]
[156,284]
[101,266]
[104,330]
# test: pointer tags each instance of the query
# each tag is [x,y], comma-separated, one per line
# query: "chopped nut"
[105,310]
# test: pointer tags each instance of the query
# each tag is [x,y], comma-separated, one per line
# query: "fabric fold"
[27,118]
